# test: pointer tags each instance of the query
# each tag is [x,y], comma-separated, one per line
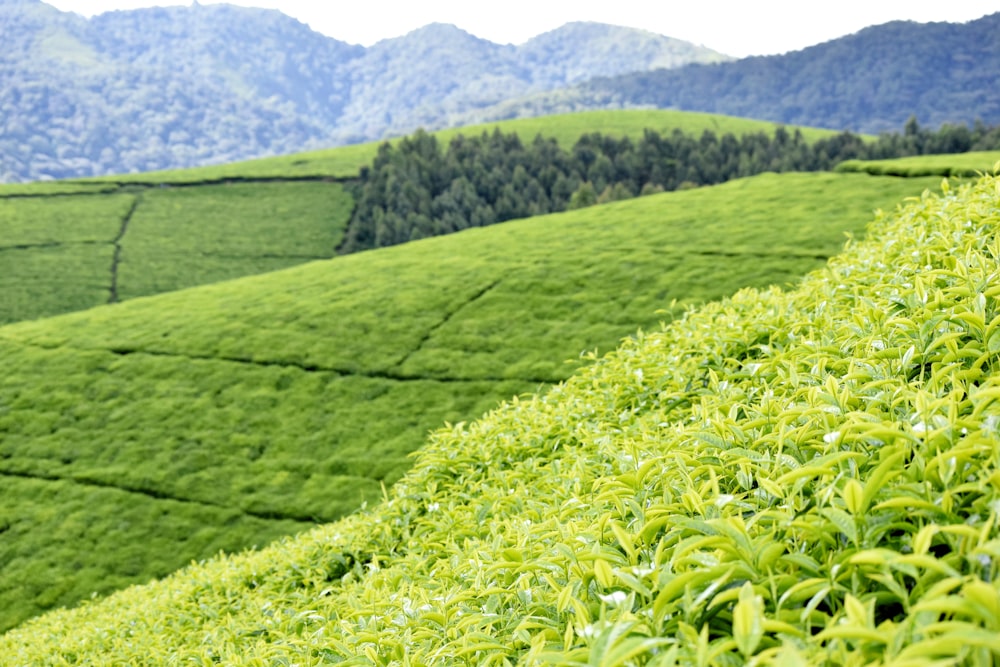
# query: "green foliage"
[57,252]
[567,128]
[961,165]
[55,535]
[137,465]
[63,220]
[182,237]
[45,281]
[583,197]
[370,312]
[805,476]
[227,220]
[293,395]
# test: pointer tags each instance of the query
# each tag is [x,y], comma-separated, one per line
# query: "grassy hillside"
[964,164]
[65,249]
[235,412]
[804,477]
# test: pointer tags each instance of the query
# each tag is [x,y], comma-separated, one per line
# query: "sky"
[735,27]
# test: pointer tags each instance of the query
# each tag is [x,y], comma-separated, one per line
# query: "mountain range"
[179,86]
[173,87]
[871,81]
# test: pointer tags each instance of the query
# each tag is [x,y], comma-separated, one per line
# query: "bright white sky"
[735,27]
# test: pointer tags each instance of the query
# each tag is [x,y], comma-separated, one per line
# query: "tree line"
[418,187]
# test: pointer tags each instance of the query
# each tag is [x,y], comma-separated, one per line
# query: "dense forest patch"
[420,187]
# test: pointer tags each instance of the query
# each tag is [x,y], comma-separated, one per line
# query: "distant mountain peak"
[446,32]
[178,86]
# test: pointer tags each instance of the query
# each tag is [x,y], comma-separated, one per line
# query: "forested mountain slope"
[871,81]
[178,86]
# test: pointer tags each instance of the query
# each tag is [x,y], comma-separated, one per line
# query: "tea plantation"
[70,245]
[783,477]
[68,250]
[163,429]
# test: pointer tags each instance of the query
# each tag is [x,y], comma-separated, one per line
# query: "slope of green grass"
[295,395]
[598,269]
[70,220]
[346,161]
[567,128]
[64,253]
[958,165]
[804,477]
[44,281]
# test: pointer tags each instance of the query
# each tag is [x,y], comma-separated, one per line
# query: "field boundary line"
[154,495]
[278,363]
[48,244]
[447,318]
[117,242]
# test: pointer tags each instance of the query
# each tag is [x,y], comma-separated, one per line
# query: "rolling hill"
[179,86]
[70,245]
[171,87]
[782,477]
[142,435]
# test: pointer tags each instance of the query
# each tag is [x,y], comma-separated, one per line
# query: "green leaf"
[748,621]
[843,521]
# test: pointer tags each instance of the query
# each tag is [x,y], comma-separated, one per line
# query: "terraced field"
[236,412]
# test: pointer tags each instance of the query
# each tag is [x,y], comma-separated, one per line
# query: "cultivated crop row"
[803,477]
[296,395]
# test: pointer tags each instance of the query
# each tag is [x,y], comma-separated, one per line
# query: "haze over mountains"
[178,86]
[182,86]
[871,81]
